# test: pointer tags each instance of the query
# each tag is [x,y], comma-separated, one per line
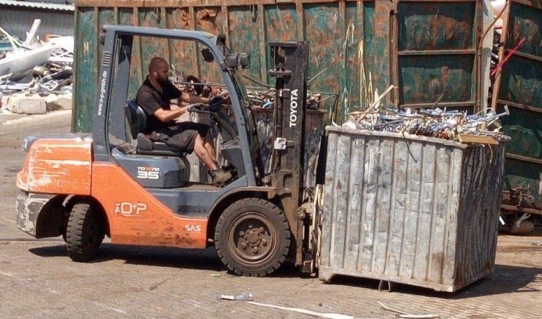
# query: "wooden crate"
[410,209]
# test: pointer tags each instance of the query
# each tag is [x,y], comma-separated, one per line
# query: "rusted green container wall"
[436,53]
[354,45]
[520,87]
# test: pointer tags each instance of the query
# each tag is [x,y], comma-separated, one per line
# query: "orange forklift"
[116,182]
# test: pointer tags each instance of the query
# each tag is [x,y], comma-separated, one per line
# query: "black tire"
[85,231]
[252,237]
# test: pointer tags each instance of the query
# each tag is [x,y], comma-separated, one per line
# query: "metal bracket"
[280,143]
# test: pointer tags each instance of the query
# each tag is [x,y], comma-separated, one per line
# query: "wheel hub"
[253,239]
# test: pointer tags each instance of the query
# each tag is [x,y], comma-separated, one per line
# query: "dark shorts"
[183,136]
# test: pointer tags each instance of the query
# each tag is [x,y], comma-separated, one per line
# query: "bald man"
[155,96]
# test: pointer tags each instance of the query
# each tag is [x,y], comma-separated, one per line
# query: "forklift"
[116,182]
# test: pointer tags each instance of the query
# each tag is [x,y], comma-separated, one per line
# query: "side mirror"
[207,55]
[236,60]
[244,60]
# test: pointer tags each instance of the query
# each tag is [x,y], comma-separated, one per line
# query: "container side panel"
[378,48]
[436,25]
[413,175]
[183,52]
[428,79]
[324,31]
[525,22]
[525,129]
[399,208]
[342,201]
[151,47]
[444,179]
[105,16]
[213,20]
[453,197]
[282,23]
[329,200]
[370,54]
[86,69]
[354,81]
[478,213]
[383,204]
[524,174]
[436,52]
[369,207]
[126,16]
[355,213]
[244,24]
[521,82]
[423,238]
[520,88]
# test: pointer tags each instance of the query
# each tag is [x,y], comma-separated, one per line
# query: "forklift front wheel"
[85,231]
[252,237]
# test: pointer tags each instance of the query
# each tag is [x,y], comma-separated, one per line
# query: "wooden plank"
[477,139]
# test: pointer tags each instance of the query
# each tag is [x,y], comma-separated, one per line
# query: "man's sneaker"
[220,176]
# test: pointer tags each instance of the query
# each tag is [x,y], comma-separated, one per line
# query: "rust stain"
[57,167]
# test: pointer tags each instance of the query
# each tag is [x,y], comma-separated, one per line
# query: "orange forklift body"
[64,166]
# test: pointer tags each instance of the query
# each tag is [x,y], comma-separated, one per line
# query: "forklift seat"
[145,146]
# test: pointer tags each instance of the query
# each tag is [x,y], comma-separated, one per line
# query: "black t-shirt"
[150,100]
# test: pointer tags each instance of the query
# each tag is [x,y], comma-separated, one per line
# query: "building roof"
[40,5]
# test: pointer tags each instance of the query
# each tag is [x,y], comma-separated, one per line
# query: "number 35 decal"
[148,172]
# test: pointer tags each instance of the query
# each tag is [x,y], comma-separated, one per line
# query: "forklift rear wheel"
[85,231]
[252,237]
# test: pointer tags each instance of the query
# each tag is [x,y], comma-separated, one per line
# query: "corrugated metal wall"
[520,87]
[410,209]
[18,20]
[353,45]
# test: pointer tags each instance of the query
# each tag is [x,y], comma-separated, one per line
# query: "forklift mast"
[289,67]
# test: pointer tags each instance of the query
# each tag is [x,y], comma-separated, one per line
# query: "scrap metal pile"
[35,66]
[482,127]
[438,123]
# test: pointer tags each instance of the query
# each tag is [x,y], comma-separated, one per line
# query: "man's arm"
[190,98]
[169,115]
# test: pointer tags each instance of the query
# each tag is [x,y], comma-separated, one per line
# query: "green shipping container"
[519,86]
[428,49]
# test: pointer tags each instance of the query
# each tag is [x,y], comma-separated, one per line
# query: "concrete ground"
[38,280]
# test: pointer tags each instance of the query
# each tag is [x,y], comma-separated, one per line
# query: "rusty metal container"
[519,85]
[409,209]
[426,48]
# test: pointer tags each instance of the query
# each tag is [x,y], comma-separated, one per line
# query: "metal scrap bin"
[409,209]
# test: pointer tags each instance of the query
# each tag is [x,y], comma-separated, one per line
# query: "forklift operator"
[154,98]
